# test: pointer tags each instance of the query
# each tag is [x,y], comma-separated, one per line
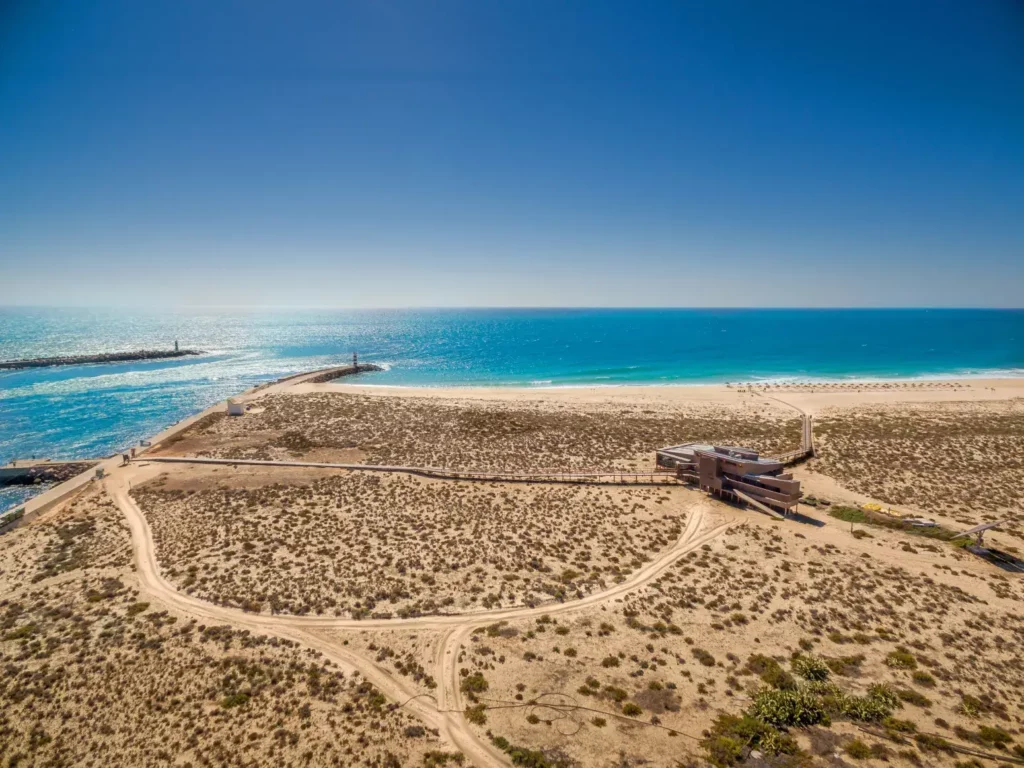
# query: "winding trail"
[443,710]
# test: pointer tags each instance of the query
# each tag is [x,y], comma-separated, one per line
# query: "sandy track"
[446,712]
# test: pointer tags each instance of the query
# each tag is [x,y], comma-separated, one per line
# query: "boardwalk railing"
[806,449]
[593,478]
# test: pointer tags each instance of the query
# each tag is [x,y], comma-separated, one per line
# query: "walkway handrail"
[649,478]
[806,448]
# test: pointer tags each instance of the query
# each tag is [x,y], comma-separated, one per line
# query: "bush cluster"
[774,710]
[810,668]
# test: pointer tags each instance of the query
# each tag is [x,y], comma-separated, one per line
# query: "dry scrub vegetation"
[87,533]
[965,460]
[362,544]
[765,622]
[93,676]
[809,645]
[510,436]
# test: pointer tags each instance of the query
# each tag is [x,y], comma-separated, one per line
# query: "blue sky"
[512,153]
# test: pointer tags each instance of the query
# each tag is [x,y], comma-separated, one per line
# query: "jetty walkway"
[105,357]
[31,471]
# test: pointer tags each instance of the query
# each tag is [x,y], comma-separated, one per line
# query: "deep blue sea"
[86,411]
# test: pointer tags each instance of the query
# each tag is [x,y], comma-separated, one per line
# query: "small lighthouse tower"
[355,361]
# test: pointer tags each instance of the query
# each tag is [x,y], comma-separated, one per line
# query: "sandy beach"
[808,397]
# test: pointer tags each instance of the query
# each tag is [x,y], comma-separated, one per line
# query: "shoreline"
[752,384]
[807,398]
[973,388]
[995,374]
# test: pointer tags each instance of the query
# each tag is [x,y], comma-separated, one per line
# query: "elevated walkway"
[440,473]
[806,449]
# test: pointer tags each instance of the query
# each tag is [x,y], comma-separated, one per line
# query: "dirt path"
[446,712]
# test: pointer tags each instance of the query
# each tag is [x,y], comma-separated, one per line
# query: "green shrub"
[911,696]
[993,735]
[831,696]
[894,725]
[911,756]
[885,694]
[235,700]
[775,742]
[704,657]
[901,658]
[857,749]
[475,714]
[615,694]
[21,633]
[475,683]
[929,743]
[879,703]
[971,706]
[810,668]
[771,672]
[610,661]
[787,709]
[865,710]
[531,758]
[436,759]
[923,678]
[723,751]
[845,666]
[631,710]
[731,737]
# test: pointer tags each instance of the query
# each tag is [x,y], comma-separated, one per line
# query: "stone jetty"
[37,472]
[105,357]
[337,373]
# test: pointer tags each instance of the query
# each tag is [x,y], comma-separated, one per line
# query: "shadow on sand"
[998,558]
[795,517]
[800,517]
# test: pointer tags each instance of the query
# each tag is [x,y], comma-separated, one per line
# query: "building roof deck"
[688,450]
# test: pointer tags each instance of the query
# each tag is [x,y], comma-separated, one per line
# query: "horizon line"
[513,307]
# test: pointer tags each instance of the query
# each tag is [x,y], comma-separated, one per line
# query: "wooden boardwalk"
[609,477]
[806,449]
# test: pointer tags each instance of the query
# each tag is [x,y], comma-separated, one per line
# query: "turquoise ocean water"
[86,411]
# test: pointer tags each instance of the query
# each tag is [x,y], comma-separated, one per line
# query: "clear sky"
[510,152]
